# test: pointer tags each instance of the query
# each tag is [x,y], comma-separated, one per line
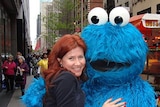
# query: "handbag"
[19,77]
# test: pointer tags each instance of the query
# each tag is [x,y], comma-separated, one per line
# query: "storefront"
[149,26]
[14,29]
[5,41]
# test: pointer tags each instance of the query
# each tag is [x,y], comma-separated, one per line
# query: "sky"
[34,11]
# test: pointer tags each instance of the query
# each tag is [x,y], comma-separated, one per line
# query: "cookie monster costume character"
[116,55]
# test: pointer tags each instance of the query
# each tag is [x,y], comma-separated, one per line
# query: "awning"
[137,22]
[151,20]
[148,20]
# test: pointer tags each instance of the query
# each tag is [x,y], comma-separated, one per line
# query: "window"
[158,8]
[127,4]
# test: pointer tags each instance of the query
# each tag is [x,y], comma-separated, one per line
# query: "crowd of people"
[15,70]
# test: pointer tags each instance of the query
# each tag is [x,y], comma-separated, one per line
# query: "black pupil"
[94,19]
[118,20]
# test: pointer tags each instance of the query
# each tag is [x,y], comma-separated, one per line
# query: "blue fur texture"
[33,97]
[122,45]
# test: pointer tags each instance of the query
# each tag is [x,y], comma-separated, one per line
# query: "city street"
[12,99]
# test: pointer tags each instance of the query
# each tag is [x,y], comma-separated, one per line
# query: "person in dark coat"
[22,69]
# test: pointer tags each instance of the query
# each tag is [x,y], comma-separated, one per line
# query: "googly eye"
[97,16]
[119,16]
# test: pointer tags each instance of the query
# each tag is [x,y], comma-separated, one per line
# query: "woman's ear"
[59,60]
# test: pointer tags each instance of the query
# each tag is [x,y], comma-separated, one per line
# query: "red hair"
[61,47]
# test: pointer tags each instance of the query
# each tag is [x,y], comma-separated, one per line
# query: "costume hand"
[110,103]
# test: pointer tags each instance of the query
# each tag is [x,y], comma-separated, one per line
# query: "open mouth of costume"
[105,65]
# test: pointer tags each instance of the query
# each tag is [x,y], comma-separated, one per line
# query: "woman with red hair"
[66,66]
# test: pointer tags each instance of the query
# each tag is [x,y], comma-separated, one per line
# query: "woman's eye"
[119,16]
[71,58]
[81,57]
[97,16]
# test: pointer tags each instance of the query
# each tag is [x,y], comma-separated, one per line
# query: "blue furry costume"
[116,56]
[115,59]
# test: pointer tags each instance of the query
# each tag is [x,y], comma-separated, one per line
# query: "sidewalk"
[15,100]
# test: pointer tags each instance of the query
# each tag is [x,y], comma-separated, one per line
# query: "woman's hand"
[22,70]
[18,67]
[6,67]
[110,103]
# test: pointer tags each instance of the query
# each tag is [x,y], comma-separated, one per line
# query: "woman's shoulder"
[65,75]
[5,62]
[13,62]
[25,64]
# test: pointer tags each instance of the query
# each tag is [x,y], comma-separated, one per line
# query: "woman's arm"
[24,68]
[65,88]
[4,65]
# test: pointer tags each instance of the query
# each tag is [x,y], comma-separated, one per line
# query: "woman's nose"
[77,62]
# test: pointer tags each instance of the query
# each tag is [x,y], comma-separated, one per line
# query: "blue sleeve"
[33,96]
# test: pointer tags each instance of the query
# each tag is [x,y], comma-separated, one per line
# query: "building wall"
[85,7]
[14,28]
[94,3]
[43,10]
[144,4]
[44,31]
[125,3]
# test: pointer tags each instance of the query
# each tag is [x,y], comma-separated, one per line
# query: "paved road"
[12,99]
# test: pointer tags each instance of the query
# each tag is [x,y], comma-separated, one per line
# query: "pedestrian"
[28,61]
[66,71]
[9,67]
[48,52]
[16,61]
[17,55]
[43,63]
[22,69]
[35,59]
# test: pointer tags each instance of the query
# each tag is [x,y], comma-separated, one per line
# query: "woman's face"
[45,55]
[74,61]
[20,60]
[10,59]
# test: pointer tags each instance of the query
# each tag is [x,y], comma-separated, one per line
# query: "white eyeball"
[97,16]
[119,16]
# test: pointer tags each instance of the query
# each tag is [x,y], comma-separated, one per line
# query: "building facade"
[146,6]
[137,7]
[14,28]
[42,30]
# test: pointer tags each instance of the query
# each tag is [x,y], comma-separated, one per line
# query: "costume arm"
[33,96]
